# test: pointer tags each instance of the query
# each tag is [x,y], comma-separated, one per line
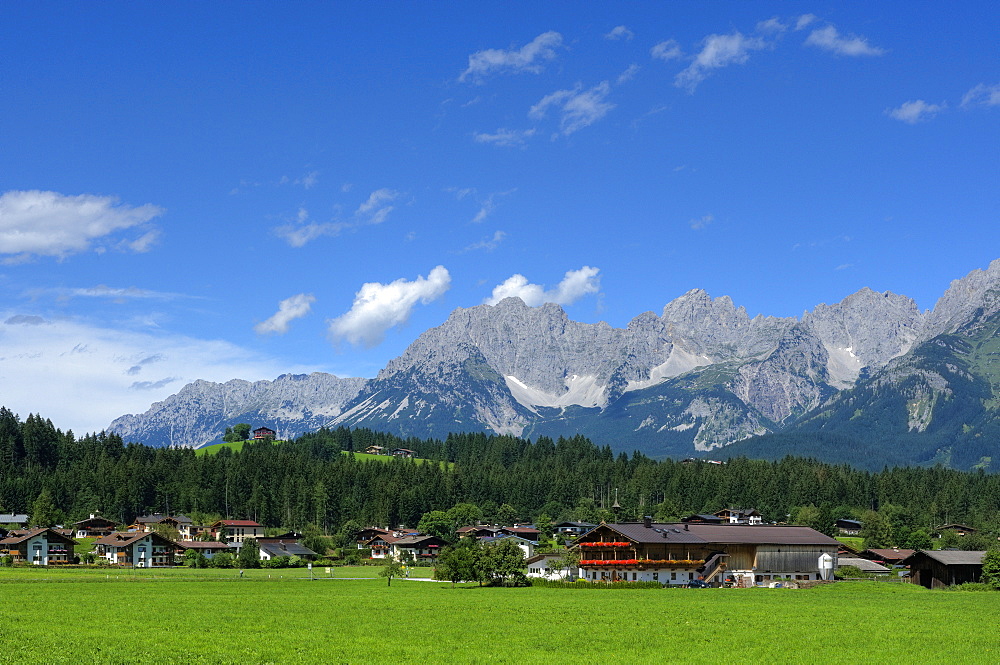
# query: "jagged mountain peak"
[977,295]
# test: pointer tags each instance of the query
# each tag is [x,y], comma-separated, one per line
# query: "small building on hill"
[403,452]
[943,568]
[265,433]
[16,520]
[94,526]
[739,516]
[848,527]
[957,529]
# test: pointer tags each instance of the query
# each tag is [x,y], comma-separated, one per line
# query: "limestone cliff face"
[201,411]
[700,375]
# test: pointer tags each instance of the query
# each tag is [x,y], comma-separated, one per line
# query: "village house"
[236,531]
[94,526]
[15,520]
[419,548]
[182,523]
[675,554]
[208,548]
[546,567]
[957,529]
[264,433]
[572,529]
[270,549]
[374,450]
[404,453]
[136,548]
[40,546]
[943,568]
[527,546]
[849,527]
[739,516]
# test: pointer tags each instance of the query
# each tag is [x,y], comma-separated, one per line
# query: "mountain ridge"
[701,375]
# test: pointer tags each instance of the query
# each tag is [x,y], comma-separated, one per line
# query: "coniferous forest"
[315,480]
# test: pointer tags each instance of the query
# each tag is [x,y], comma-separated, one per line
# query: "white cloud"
[915,111]
[486,209]
[378,307]
[371,211]
[829,39]
[80,374]
[506,137]
[488,244]
[289,309]
[982,95]
[309,180]
[578,108]
[528,58]
[772,25]
[377,200]
[38,223]
[619,32]
[628,74]
[575,285]
[717,51]
[805,20]
[698,224]
[667,50]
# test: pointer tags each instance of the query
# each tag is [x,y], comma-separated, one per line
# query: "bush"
[7,561]
[971,586]
[850,572]
[221,560]
[276,562]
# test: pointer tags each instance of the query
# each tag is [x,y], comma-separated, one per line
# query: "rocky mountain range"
[700,376]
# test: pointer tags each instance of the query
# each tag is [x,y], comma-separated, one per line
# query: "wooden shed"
[943,568]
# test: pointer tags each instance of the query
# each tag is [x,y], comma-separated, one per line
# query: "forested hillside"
[310,481]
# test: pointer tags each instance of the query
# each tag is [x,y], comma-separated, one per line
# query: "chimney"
[647,522]
[686,527]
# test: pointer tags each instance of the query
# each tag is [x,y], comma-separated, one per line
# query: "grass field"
[202,617]
[238,445]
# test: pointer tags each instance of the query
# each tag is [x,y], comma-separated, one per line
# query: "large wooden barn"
[675,554]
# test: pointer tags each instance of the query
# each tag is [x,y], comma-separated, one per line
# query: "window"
[673,576]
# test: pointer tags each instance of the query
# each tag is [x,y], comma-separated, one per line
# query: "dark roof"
[416,540]
[156,518]
[202,545]
[122,538]
[951,557]
[956,527]
[693,533]
[286,549]
[887,554]
[236,523]
[15,537]
[94,519]
[585,525]
[856,523]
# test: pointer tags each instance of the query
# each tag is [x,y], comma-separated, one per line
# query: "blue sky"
[238,190]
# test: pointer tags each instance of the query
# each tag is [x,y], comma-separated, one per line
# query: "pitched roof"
[864,564]
[888,554]
[952,557]
[13,518]
[202,545]
[236,523]
[286,549]
[123,538]
[732,534]
[15,537]
[156,518]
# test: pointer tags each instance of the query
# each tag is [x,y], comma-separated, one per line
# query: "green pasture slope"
[236,446]
[218,617]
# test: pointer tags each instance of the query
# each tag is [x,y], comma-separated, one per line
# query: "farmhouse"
[848,527]
[936,570]
[419,548]
[572,528]
[184,525]
[236,531]
[549,567]
[94,526]
[739,516]
[403,452]
[265,433]
[678,553]
[957,529]
[14,519]
[40,546]
[141,550]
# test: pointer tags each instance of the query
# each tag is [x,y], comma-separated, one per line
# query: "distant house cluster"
[142,544]
[394,452]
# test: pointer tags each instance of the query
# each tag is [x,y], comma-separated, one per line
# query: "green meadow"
[90,616]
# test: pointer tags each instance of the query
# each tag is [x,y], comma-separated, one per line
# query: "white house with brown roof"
[236,531]
[137,549]
[40,546]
